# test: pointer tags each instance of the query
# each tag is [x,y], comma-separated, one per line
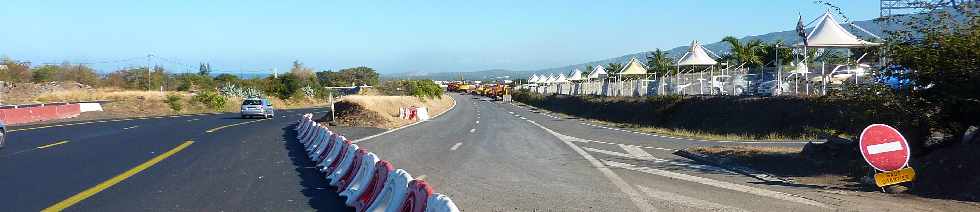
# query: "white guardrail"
[367,182]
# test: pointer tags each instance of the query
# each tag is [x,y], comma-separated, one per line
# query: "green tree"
[747,53]
[46,73]
[658,62]
[613,68]
[768,52]
[204,69]
[15,71]
[345,77]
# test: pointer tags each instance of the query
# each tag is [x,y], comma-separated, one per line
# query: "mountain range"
[789,36]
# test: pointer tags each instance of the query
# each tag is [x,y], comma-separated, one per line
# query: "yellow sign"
[894,177]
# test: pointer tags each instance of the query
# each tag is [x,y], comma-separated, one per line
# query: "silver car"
[253,107]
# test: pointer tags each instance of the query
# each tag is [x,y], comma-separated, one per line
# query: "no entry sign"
[884,148]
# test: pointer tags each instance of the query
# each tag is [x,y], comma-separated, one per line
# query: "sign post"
[885,149]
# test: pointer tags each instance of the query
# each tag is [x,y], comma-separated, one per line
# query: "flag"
[800,30]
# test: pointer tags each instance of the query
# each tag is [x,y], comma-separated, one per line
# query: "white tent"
[576,75]
[696,55]
[550,79]
[561,78]
[633,67]
[533,79]
[828,33]
[597,72]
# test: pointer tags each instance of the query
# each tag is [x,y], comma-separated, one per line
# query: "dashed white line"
[472,130]
[455,146]
[477,122]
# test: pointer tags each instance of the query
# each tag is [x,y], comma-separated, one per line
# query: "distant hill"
[716,46]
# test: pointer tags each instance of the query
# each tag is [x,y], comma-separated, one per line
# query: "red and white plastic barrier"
[44,112]
[368,183]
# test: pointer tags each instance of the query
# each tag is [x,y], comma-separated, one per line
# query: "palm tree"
[744,53]
[658,62]
[613,68]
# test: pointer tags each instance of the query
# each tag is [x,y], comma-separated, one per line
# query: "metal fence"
[726,82]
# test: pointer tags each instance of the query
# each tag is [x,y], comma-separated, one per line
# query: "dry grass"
[699,135]
[128,103]
[389,106]
[744,152]
[100,94]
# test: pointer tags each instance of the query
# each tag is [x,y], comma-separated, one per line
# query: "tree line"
[299,81]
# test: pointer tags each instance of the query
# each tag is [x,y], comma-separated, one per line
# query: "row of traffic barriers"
[368,183]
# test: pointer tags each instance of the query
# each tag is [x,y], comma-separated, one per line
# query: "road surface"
[485,155]
[211,162]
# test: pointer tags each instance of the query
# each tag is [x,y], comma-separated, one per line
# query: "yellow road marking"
[54,144]
[115,180]
[232,125]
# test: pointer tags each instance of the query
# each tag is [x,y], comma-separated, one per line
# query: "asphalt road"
[494,156]
[485,155]
[211,162]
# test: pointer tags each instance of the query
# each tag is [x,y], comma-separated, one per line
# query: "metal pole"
[332,114]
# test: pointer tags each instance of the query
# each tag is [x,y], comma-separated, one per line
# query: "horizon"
[391,37]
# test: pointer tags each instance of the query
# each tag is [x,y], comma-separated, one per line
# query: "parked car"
[252,107]
[3,134]
[769,88]
[839,76]
[721,84]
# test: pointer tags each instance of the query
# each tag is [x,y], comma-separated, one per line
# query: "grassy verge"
[700,135]
[131,103]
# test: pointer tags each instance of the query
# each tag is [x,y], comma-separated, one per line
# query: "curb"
[453,106]
[720,162]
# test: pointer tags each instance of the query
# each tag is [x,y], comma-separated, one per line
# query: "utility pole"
[148,71]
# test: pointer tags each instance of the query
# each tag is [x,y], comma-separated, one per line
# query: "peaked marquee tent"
[633,67]
[561,78]
[576,75]
[597,72]
[696,55]
[532,79]
[829,33]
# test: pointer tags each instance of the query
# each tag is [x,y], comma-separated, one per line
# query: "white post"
[823,73]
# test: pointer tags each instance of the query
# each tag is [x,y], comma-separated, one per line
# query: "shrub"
[424,89]
[211,100]
[173,100]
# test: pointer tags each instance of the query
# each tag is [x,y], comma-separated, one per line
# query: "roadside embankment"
[747,118]
[121,103]
[383,111]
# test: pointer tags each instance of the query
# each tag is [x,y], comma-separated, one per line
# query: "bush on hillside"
[173,100]
[211,100]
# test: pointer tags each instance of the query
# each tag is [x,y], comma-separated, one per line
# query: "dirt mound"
[356,115]
[382,111]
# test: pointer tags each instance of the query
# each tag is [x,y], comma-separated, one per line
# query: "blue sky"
[390,36]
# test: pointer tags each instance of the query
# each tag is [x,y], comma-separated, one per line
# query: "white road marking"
[885,147]
[477,122]
[686,201]
[193,120]
[719,184]
[635,196]
[637,152]
[132,127]
[472,130]
[523,118]
[455,146]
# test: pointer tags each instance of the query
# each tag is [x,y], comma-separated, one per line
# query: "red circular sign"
[884,147]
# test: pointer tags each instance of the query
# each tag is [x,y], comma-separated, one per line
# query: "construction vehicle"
[460,87]
[497,92]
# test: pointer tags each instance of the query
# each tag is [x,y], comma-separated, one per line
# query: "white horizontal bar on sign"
[885,147]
